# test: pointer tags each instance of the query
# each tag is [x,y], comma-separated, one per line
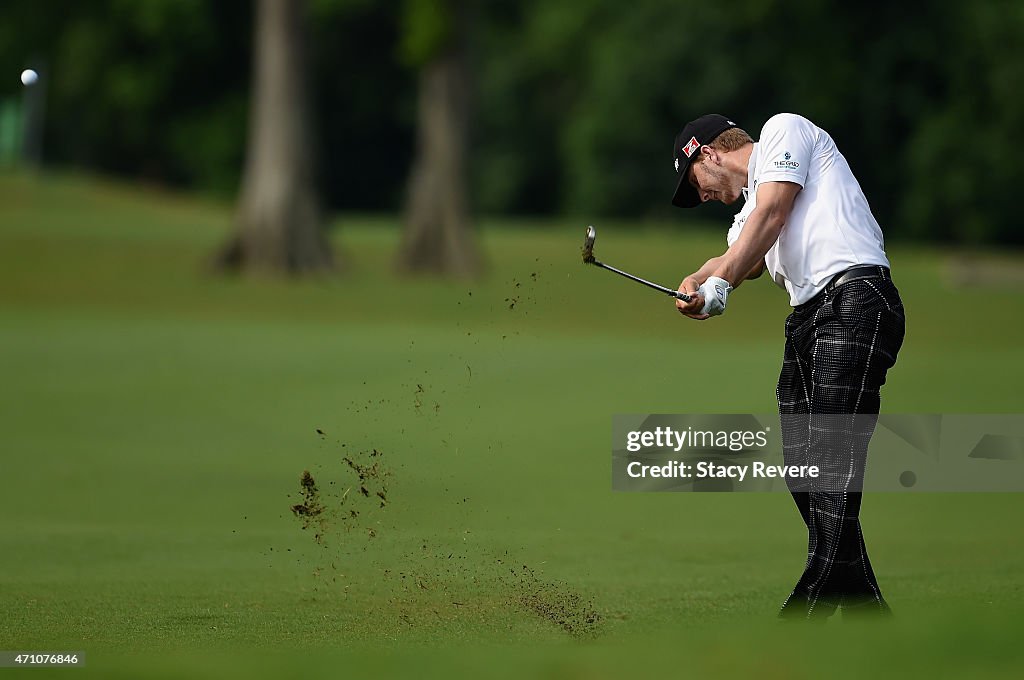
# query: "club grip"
[683,296]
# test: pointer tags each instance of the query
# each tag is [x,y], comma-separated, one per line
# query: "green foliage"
[926,108]
[209,144]
[427,28]
[574,104]
[965,148]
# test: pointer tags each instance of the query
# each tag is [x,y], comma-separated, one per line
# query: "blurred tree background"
[572,105]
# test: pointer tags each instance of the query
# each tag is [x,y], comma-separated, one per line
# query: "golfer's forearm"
[708,269]
[755,272]
[759,234]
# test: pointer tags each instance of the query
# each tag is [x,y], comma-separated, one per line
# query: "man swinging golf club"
[807,222]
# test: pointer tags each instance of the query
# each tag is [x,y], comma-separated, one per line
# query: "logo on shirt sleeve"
[786,163]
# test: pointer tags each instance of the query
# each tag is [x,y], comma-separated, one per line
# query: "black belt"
[874,271]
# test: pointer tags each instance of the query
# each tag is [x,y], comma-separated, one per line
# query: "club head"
[588,245]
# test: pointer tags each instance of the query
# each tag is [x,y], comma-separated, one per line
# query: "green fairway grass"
[156,421]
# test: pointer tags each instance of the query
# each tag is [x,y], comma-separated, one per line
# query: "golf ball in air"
[29,77]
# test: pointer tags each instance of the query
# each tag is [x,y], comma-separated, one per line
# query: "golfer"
[807,222]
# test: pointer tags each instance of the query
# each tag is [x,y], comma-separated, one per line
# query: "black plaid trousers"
[839,346]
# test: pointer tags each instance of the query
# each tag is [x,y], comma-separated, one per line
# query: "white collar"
[751,164]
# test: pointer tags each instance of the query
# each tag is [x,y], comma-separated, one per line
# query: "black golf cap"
[696,134]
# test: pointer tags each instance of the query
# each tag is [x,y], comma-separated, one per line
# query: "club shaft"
[668,291]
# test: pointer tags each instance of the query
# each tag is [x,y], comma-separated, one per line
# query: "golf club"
[588,258]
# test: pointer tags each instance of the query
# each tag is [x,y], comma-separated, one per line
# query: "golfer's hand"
[696,303]
[715,291]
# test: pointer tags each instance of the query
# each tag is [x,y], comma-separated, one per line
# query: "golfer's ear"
[710,153]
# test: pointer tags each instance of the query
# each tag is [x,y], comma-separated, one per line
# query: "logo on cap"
[691,147]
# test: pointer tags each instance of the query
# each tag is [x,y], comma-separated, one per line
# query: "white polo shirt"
[830,228]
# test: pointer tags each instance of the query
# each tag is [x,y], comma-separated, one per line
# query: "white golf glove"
[715,291]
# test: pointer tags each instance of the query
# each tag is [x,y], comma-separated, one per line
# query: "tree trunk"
[278,224]
[438,236]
